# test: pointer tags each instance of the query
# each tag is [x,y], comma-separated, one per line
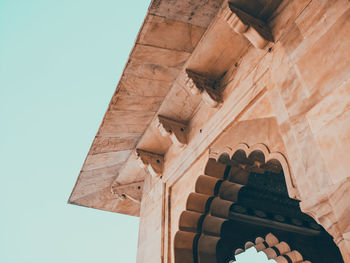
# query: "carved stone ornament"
[176,130]
[254,29]
[199,84]
[132,191]
[152,161]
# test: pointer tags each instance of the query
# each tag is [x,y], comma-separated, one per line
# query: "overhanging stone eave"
[110,204]
[112,145]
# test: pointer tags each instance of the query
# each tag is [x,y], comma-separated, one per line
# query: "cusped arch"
[242,193]
[269,156]
[274,250]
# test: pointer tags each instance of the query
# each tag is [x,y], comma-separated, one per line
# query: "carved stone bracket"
[132,191]
[254,29]
[176,130]
[152,161]
[199,84]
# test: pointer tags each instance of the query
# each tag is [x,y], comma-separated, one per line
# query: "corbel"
[254,29]
[152,161]
[176,130]
[199,84]
[132,191]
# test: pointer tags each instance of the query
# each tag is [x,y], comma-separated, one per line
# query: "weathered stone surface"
[105,200]
[292,91]
[131,172]
[116,122]
[153,141]
[330,11]
[261,107]
[113,144]
[198,13]
[150,71]
[324,66]
[212,58]
[143,87]
[180,189]
[183,106]
[285,16]
[107,159]
[90,181]
[150,234]
[170,34]
[330,123]
[135,103]
[319,12]
[331,108]
[176,131]
[132,191]
[153,162]
[160,56]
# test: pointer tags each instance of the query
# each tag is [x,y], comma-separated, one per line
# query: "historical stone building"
[230,129]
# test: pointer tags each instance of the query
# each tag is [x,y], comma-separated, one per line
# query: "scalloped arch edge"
[216,152]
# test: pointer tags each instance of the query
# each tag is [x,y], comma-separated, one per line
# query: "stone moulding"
[207,88]
[152,161]
[177,131]
[254,29]
[132,191]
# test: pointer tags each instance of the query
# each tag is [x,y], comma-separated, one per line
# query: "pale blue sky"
[60,62]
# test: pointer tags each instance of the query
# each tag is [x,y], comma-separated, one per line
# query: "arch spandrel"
[257,134]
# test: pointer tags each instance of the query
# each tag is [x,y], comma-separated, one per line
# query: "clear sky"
[59,64]
[60,61]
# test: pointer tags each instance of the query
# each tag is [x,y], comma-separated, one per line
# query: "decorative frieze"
[132,191]
[254,29]
[152,161]
[176,130]
[208,88]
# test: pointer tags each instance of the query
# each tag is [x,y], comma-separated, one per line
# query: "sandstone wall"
[151,218]
[297,103]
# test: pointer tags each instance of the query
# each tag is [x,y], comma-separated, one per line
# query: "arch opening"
[238,198]
[267,250]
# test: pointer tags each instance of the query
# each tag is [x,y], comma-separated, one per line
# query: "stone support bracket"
[132,191]
[152,161]
[176,130]
[199,84]
[254,29]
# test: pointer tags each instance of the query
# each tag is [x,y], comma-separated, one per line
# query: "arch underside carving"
[242,196]
[272,248]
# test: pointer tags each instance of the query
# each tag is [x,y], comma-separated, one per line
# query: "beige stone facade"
[207,78]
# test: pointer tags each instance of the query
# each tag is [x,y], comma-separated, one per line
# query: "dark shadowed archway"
[240,198]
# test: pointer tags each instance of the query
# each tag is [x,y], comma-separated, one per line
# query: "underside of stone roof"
[168,36]
[179,57]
